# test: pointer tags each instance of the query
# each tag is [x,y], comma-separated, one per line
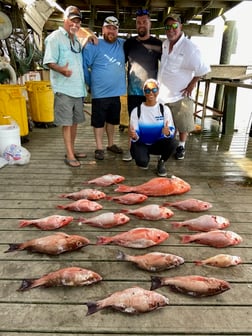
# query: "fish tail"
[176,225]
[124,210]
[60,206]
[123,188]
[185,239]
[93,307]
[13,247]
[121,255]
[26,284]
[23,223]
[166,204]
[155,282]
[101,240]
[63,196]
[198,262]
[108,198]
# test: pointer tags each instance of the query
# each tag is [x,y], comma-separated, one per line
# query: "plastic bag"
[15,154]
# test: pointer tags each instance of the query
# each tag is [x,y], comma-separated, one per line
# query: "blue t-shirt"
[104,68]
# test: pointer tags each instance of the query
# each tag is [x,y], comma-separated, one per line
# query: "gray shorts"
[182,112]
[68,110]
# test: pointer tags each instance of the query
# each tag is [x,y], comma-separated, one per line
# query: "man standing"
[181,67]
[104,69]
[142,53]
[64,59]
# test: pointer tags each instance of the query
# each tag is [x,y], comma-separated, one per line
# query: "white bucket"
[9,134]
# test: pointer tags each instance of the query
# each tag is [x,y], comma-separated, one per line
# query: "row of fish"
[135,299]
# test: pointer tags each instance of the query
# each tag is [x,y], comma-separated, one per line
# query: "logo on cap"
[111,21]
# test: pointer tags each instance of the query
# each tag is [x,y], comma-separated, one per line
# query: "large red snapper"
[158,186]
[192,204]
[136,238]
[150,212]
[129,199]
[204,223]
[154,261]
[220,260]
[133,300]
[106,220]
[82,205]
[90,194]
[106,180]
[47,223]
[55,244]
[193,285]
[70,276]
[216,238]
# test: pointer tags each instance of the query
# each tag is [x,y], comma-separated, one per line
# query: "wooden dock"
[219,170]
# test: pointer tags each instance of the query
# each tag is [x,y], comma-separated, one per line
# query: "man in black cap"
[64,59]
[182,65]
[142,53]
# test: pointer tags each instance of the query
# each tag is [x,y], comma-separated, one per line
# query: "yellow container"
[41,99]
[124,116]
[13,105]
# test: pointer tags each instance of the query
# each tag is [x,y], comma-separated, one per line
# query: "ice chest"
[41,100]
[13,104]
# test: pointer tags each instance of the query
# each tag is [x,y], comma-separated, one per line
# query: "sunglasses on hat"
[141,12]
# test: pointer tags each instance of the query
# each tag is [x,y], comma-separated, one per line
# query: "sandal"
[115,149]
[99,154]
[71,163]
[79,155]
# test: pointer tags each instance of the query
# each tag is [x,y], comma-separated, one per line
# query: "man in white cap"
[182,65]
[104,69]
[64,59]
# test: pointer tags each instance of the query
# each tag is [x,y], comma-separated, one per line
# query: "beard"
[110,38]
[142,32]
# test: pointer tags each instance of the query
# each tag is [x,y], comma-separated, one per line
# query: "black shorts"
[105,110]
[134,101]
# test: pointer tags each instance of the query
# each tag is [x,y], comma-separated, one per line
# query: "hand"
[132,133]
[66,71]
[166,130]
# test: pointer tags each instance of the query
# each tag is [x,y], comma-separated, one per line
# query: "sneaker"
[143,167]
[127,156]
[161,170]
[180,153]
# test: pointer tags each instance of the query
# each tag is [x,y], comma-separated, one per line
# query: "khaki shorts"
[182,112]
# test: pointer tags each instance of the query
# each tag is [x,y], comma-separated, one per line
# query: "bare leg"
[110,130]
[98,133]
[69,135]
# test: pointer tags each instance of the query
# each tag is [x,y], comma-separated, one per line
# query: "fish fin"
[23,223]
[108,198]
[176,225]
[60,206]
[120,255]
[26,284]
[155,282]
[13,247]
[198,262]
[92,307]
[123,188]
[185,239]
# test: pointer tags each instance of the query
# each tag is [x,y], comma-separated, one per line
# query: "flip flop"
[70,163]
[115,149]
[79,155]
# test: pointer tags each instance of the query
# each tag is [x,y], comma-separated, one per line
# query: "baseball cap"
[174,17]
[72,12]
[111,21]
[151,80]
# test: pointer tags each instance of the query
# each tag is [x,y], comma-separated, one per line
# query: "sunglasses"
[141,12]
[148,91]
[73,49]
[171,26]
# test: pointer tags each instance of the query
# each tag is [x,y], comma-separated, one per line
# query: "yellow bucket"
[41,99]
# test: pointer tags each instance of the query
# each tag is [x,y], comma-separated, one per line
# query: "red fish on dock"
[158,186]
[70,276]
[193,285]
[47,223]
[216,238]
[150,212]
[129,199]
[220,260]
[135,238]
[55,244]
[106,220]
[192,204]
[133,300]
[106,180]
[82,205]
[204,223]
[90,194]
